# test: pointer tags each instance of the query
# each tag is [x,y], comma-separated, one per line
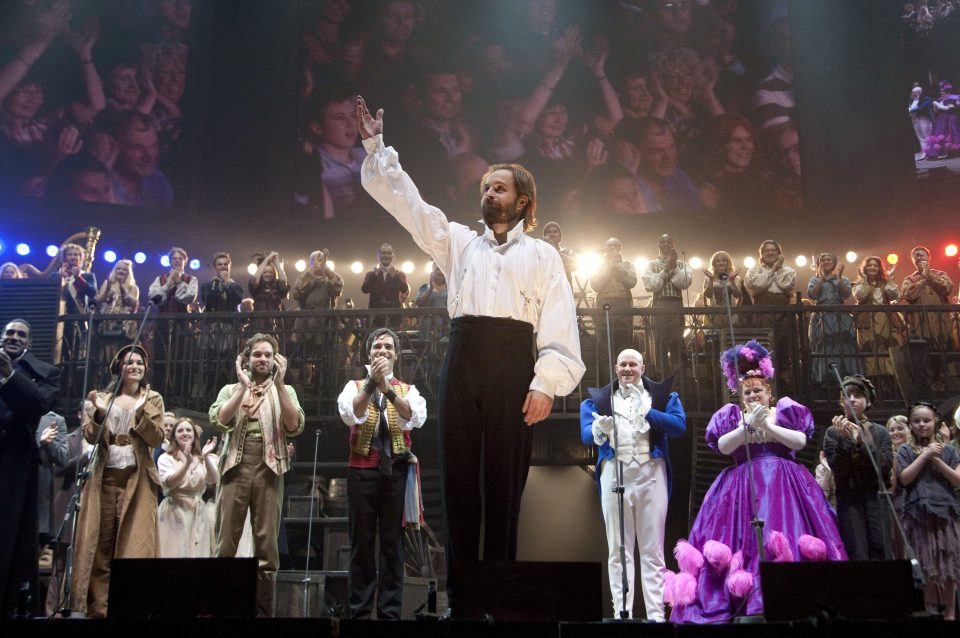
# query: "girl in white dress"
[185,472]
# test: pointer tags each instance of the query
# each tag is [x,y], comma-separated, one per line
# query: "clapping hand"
[933,450]
[97,402]
[49,434]
[209,446]
[367,124]
[242,375]
[755,416]
[605,423]
[6,365]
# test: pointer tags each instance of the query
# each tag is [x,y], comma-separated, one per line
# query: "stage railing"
[192,355]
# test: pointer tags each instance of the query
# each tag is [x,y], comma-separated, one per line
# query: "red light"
[950,250]
[892,259]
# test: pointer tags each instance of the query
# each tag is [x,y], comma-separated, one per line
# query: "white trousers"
[644,520]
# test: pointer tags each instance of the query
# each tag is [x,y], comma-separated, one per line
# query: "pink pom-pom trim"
[812,548]
[684,589]
[739,583]
[778,548]
[688,558]
[717,555]
[736,561]
[669,578]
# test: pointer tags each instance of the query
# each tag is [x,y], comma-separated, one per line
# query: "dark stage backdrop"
[247,161]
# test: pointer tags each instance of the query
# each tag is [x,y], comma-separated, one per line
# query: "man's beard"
[494,214]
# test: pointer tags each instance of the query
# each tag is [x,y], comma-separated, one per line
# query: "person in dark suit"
[28,389]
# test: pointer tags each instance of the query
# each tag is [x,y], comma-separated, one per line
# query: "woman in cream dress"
[185,472]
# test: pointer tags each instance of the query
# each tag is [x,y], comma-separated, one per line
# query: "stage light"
[52,250]
[407,267]
[429,268]
[950,250]
[23,249]
[356,267]
[800,261]
[749,262]
[194,264]
[851,256]
[2,246]
[109,256]
[301,265]
[641,263]
[165,261]
[588,264]
[893,258]
[696,263]
[332,265]
[252,268]
[140,257]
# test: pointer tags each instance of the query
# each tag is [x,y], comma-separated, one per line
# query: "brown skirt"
[936,542]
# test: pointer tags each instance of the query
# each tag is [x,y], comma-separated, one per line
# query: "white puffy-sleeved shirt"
[522,279]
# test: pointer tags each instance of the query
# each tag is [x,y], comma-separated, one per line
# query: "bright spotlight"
[641,263]
[252,268]
[194,264]
[893,258]
[407,267]
[800,261]
[140,257]
[749,262]
[165,261]
[23,249]
[950,250]
[332,265]
[300,265]
[588,264]
[696,263]
[109,256]
[356,267]
[429,267]
[851,256]
[52,250]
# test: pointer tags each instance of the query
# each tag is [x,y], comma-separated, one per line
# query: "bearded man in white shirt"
[514,343]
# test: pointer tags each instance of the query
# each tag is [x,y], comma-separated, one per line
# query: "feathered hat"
[747,360]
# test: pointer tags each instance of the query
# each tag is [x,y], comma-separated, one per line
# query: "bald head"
[629,367]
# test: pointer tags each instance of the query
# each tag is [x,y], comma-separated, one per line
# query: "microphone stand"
[756,522]
[84,476]
[883,494]
[313,490]
[618,483]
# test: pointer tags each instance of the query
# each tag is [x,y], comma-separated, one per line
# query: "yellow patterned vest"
[366,429]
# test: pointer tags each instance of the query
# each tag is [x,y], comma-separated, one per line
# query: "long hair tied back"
[746,360]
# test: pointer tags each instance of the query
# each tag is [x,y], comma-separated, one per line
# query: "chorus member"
[10,270]
[877,330]
[920,109]
[722,285]
[268,285]
[219,337]
[185,472]
[927,286]
[666,277]
[119,295]
[614,284]
[222,293]
[899,428]
[433,294]
[552,234]
[771,283]
[384,283]
[28,389]
[848,444]
[927,470]
[119,514]
[257,414]
[787,497]
[831,332]
[51,437]
[507,293]
[381,410]
[78,292]
[645,414]
[176,289]
[317,288]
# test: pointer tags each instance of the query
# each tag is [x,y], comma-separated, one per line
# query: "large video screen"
[92,99]
[617,107]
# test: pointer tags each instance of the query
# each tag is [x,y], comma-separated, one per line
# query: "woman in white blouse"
[185,472]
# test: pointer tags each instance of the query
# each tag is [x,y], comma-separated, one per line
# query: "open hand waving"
[369,126]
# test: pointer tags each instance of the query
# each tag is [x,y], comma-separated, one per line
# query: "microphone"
[156,299]
[834,366]
[723,276]
[606,306]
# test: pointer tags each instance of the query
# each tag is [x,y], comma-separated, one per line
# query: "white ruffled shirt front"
[630,408]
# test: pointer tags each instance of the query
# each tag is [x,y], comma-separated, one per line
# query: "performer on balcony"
[507,293]
[646,415]
[381,410]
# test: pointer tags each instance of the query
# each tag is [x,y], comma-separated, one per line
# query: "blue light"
[194,264]
[23,249]
[165,261]
[109,256]
[2,246]
[52,250]
[140,257]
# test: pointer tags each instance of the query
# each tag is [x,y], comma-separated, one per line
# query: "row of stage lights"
[588,263]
